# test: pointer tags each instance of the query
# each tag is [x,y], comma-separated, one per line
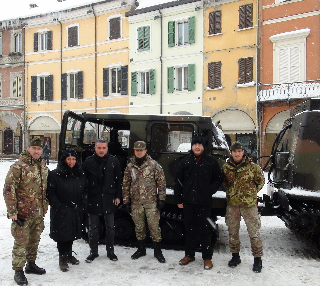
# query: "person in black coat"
[198,177]
[104,190]
[65,192]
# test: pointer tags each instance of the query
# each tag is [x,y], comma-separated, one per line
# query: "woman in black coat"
[65,192]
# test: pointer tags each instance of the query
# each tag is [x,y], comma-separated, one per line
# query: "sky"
[286,260]
[14,9]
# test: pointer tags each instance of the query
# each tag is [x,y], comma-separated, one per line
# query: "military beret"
[236,145]
[139,145]
[36,141]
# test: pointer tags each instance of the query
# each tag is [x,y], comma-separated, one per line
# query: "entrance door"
[7,141]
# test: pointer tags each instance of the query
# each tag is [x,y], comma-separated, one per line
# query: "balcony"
[11,59]
[289,91]
[11,103]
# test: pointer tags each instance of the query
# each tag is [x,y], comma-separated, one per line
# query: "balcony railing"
[289,91]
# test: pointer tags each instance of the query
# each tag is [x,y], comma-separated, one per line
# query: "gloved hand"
[127,208]
[161,204]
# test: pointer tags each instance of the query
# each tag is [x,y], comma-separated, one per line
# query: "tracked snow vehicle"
[294,173]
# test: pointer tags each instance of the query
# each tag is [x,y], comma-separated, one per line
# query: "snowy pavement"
[286,261]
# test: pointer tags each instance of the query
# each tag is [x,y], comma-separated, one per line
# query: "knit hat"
[36,141]
[68,153]
[197,139]
[236,145]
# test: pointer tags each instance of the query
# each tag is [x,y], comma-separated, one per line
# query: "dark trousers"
[94,232]
[64,247]
[197,225]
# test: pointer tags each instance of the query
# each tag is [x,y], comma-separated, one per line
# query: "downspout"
[95,60]
[24,96]
[161,63]
[61,106]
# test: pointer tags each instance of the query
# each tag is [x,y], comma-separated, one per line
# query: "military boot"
[71,259]
[32,268]
[63,263]
[257,265]
[20,278]
[158,253]
[235,260]
[141,251]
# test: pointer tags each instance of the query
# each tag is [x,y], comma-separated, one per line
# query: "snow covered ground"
[286,261]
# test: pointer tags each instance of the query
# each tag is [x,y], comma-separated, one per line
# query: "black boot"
[235,260]
[71,259]
[20,278]
[63,263]
[158,253]
[257,265]
[141,251]
[32,268]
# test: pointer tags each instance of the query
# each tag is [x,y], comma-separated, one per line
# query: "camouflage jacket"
[25,187]
[140,183]
[242,182]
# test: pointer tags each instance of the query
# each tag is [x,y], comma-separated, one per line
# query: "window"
[181,78]
[42,87]
[143,82]
[289,56]
[245,16]
[215,22]
[73,37]
[16,84]
[42,41]
[214,75]
[171,137]
[1,85]
[245,70]
[185,34]
[115,80]
[0,43]
[114,28]
[144,38]
[16,41]
[72,85]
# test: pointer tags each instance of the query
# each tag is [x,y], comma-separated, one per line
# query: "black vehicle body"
[294,173]
[168,139]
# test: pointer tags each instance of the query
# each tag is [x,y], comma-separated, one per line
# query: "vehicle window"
[73,132]
[171,137]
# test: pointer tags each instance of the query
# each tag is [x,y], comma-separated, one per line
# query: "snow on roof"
[301,192]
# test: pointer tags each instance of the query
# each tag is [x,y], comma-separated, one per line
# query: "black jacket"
[65,193]
[197,182]
[103,183]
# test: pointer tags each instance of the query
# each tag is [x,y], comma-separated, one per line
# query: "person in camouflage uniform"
[144,186]
[25,196]
[243,180]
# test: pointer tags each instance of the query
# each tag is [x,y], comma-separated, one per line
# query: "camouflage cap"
[36,141]
[139,145]
[236,145]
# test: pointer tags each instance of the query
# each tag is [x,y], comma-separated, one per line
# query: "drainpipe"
[24,96]
[258,105]
[95,60]
[61,106]
[161,67]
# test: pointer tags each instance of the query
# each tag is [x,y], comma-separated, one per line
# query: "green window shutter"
[134,83]
[171,34]
[170,79]
[191,77]
[146,46]
[191,23]
[140,39]
[152,82]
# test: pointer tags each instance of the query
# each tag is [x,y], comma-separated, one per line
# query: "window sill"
[217,88]
[244,29]
[143,95]
[181,46]
[143,52]
[181,92]
[247,84]
[212,35]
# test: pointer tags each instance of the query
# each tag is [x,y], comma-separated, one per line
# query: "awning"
[235,121]
[11,121]
[275,124]
[44,124]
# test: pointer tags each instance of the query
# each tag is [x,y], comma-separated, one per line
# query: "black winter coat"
[65,192]
[103,183]
[197,182]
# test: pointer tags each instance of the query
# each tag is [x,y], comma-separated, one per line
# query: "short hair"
[101,140]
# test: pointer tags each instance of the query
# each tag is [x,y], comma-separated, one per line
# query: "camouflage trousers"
[139,214]
[26,241]
[253,223]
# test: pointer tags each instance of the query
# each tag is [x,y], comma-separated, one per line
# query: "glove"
[161,204]
[127,208]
